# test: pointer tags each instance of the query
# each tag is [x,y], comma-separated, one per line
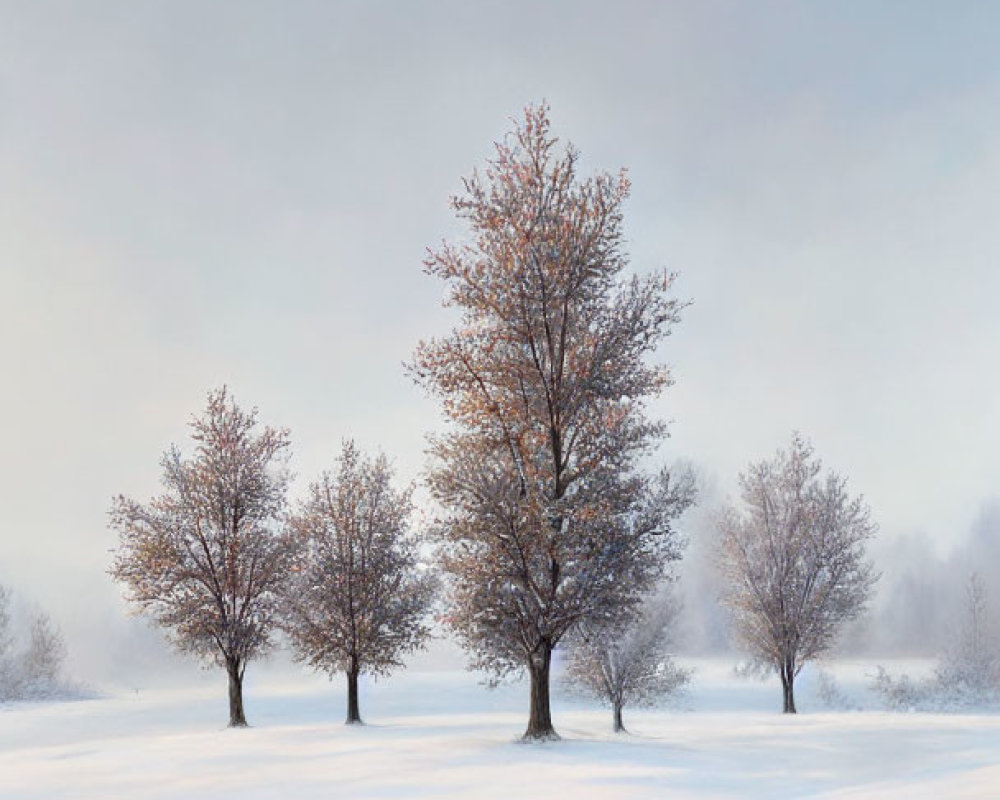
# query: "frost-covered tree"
[207,557]
[357,598]
[626,662]
[967,674]
[547,519]
[8,673]
[795,562]
[43,660]
[39,671]
[31,670]
[971,667]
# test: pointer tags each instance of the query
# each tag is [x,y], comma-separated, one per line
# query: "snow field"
[444,735]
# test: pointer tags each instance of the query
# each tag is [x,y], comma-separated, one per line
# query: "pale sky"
[204,193]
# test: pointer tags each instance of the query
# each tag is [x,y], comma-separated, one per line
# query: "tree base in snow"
[544,736]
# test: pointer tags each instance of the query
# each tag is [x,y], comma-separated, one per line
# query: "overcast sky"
[196,193]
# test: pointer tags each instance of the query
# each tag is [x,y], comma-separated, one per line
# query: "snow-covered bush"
[830,694]
[902,693]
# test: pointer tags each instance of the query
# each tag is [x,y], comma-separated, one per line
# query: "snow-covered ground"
[443,735]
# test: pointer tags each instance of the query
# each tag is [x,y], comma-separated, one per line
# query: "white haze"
[241,192]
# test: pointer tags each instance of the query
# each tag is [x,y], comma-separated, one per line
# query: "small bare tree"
[356,601]
[207,558]
[31,670]
[40,668]
[795,562]
[971,668]
[627,662]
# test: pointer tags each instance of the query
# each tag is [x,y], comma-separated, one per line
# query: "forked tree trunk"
[619,725]
[353,714]
[234,668]
[788,687]
[540,721]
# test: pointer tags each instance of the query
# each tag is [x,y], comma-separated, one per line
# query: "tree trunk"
[788,687]
[619,726]
[353,714]
[540,721]
[237,719]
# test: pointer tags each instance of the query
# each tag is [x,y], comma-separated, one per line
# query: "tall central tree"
[547,521]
